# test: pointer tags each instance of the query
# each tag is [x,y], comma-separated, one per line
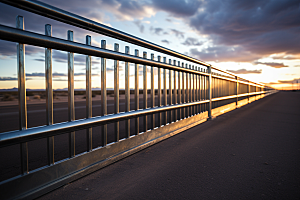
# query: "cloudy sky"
[256,39]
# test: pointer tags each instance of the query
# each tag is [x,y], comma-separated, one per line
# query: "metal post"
[152,94]
[175,93]
[190,91]
[137,94]
[49,95]
[193,92]
[103,94]
[159,93]
[22,96]
[88,95]
[179,91]
[127,94]
[170,92]
[165,93]
[187,92]
[71,107]
[183,92]
[248,89]
[209,92]
[116,92]
[145,92]
[237,91]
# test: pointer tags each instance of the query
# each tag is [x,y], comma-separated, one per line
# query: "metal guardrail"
[192,94]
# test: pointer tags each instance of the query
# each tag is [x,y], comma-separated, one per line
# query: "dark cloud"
[192,42]
[286,57]
[139,25]
[178,34]
[166,41]
[224,54]
[11,79]
[245,71]
[296,80]
[178,8]
[271,64]
[157,31]
[261,27]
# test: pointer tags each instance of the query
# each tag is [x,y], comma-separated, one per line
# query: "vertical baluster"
[201,91]
[190,91]
[116,92]
[145,92]
[103,95]
[248,87]
[196,91]
[71,107]
[193,91]
[22,96]
[137,94]
[49,95]
[88,95]
[183,92]
[237,91]
[152,94]
[179,91]
[170,92]
[209,92]
[165,93]
[205,91]
[175,93]
[187,92]
[159,93]
[127,94]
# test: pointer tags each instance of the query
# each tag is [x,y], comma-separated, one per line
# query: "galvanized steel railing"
[190,99]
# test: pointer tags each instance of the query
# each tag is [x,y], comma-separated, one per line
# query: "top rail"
[58,14]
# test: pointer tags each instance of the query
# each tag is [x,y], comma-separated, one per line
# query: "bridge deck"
[250,153]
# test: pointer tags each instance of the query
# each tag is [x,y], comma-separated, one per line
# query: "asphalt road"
[249,153]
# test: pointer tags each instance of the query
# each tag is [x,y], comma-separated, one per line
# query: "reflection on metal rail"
[191,96]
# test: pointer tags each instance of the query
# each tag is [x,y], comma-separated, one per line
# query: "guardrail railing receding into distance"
[182,92]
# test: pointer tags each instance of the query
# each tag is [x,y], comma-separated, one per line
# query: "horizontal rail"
[14,137]
[27,37]
[235,96]
[235,80]
[31,38]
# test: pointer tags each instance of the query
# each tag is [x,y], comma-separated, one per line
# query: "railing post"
[209,92]
[116,93]
[22,96]
[145,92]
[49,95]
[248,91]
[136,92]
[237,91]
[71,104]
[127,94]
[89,94]
[103,94]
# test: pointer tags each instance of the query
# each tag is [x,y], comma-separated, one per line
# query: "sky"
[255,39]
